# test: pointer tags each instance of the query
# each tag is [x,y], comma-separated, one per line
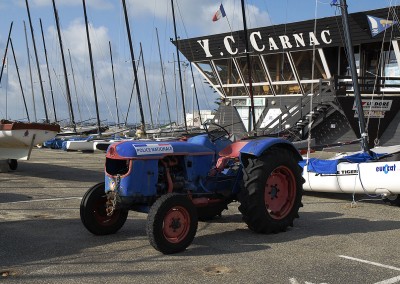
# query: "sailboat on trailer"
[370,171]
[18,138]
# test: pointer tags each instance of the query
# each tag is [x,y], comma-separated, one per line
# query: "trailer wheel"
[94,216]
[12,164]
[273,188]
[393,199]
[172,223]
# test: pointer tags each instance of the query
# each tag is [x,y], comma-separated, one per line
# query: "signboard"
[382,105]
[146,149]
[247,102]
[372,114]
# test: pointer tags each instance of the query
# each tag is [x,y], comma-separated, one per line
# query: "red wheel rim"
[176,224]
[100,213]
[280,192]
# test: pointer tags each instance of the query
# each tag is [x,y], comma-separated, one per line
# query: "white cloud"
[198,18]
[74,38]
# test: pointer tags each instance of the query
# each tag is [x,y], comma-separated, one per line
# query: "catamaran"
[371,171]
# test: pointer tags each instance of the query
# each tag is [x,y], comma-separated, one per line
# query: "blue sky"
[107,24]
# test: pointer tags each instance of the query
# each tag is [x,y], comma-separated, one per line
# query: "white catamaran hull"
[17,138]
[370,177]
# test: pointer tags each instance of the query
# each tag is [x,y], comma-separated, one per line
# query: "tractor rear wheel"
[94,215]
[172,223]
[273,188]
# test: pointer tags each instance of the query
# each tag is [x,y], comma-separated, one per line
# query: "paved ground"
[42,239]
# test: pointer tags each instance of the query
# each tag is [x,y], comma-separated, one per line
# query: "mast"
[195,93]
[246,40]
[179,66]
[147,87]
[76,92]
[48,71]
[19,80]
[115,89]
[71,111]
[92,68]
[37,62]
[128,30]
[163,78]
[5,52]
[130,98]
[30,73]
[354,77]
[176,93]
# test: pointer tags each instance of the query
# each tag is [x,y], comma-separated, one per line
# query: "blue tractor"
[179,183]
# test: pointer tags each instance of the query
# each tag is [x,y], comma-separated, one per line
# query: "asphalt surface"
[42,239]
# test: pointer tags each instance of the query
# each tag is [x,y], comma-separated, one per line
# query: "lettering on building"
[260,42]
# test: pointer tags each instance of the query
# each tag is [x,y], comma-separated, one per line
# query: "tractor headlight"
[112,185]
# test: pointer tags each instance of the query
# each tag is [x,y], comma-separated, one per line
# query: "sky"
[106,24]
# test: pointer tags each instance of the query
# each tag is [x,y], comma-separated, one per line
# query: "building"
[300,74]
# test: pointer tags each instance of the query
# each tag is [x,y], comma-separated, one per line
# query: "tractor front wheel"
[172,223]
[94,215]
[273,188]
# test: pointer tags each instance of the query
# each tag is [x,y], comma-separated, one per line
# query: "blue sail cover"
[321,166]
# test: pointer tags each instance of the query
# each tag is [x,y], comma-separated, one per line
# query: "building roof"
[289,37]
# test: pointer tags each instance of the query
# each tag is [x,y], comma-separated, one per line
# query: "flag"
[334,2]
[219,14]
[378,25]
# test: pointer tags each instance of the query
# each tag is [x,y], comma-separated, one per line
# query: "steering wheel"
[215,134]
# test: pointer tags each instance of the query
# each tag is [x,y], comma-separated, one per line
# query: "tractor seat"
[229,152]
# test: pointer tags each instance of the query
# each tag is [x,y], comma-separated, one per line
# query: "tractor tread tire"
[94,218]
[251,196]
[155,223]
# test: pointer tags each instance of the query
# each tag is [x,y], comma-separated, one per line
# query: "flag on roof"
[219,14]
[378,25]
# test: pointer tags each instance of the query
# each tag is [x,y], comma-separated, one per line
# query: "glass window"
[262,90]
[257,72]
[344,65]
[279,67]
[227,71]
[391,71]
[304,61]
[235,91]
[207,69]
[287,89]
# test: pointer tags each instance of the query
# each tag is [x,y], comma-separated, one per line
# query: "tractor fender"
[258,146]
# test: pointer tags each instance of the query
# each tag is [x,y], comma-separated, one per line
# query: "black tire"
[172,223]
[12,164]
[271,208]
[393,200]
[94,216]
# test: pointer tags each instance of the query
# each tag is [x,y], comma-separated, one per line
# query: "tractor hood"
[155,150]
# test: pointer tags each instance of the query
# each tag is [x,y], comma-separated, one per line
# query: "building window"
[207,70]
[227,71]
[304,60]
[257,72]
[262,90]
[391,71]
[279,67]
[235,91]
